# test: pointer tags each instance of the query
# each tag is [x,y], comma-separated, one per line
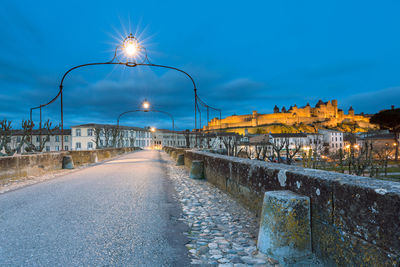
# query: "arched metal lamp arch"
[127,64]
[147,110]
[115,61]
[150,110]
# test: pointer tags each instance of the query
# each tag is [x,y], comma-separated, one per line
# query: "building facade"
[93,136]
[49,143]
[333,140]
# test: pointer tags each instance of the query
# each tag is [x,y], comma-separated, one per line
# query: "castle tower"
[351,111]
[276,109]
[335,107]
[254,121]
[283,109]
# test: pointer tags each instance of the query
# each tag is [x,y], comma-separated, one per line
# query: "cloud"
[372,102]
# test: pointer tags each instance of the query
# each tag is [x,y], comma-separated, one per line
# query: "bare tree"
[291,152]
[278,146]
[98,132]
[5,136]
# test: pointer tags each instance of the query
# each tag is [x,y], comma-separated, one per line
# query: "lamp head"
[131,46]
[146,104]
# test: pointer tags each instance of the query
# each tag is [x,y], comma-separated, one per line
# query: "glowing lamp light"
[146,104]
[152,129]
[131,46]
[131,49]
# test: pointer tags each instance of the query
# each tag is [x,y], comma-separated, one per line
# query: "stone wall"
[355,220]
[37,164]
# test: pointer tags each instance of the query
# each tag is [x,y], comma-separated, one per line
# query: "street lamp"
[152,129]
[146,104]
[133,50]
[131,46]
[150,110]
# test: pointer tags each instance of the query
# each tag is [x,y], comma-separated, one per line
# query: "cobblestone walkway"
[221,232]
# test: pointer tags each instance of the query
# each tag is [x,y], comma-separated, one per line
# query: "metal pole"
[40,128]
[32,127]
[62,121]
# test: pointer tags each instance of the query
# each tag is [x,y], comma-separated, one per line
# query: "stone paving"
[221,231]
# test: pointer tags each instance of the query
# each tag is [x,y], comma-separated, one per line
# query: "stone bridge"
[355,221]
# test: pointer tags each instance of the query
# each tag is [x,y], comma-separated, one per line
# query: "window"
[38,139]
[101,142]
[90,132]
[78,132]
[66,148]
[336,138]
[57,148]
[57,138]
[78,145]
[90,145]
[18,138]
[47,148]
[66,138]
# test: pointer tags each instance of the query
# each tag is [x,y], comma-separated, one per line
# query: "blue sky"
[243,55]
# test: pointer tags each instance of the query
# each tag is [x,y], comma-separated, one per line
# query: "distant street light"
[146,104]
[134,51]
[150,110]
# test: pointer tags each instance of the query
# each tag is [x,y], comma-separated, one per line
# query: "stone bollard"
[67,162]
[173,154]
[180,159]
[197,170]
[285,231]
[93,157]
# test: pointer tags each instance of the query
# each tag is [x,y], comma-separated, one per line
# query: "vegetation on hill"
[297,128]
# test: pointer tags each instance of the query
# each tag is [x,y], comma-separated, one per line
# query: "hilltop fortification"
[323,115]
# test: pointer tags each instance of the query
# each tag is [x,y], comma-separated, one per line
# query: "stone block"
[173,154]
[180,159]
[67,162]
[285,230]
[197,170]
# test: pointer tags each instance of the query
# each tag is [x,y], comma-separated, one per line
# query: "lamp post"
[146,108]
[136,55]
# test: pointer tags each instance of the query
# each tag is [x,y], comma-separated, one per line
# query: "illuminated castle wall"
[326,114]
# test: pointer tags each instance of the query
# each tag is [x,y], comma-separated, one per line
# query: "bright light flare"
[152,129]
[131,49]
[146,105]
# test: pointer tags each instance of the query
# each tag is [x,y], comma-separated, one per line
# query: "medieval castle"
[325,114]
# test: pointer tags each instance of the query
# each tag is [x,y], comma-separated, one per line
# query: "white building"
[292,139]
[52,143]
[332,139]
[91,136]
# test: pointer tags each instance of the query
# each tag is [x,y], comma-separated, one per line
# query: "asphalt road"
[118,213]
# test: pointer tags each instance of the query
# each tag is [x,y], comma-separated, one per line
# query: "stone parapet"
[355,221]
[38,164]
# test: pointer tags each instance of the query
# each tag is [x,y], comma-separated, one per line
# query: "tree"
[291,152]
[187,137]
[277,146]
[5,136]
[389,119]
[98,132]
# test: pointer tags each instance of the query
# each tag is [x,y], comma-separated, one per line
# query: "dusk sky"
[243,55]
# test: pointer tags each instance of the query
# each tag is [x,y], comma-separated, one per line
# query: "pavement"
[118,213]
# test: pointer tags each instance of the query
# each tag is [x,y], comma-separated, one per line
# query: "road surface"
[118,213]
